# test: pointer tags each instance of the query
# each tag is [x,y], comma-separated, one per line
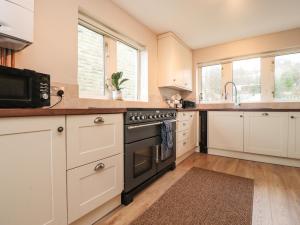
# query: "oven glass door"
[140,161]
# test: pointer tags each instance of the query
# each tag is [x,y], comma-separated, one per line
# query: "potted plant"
[114,84]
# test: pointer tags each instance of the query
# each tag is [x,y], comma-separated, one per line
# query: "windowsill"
[250,102]
[104,98]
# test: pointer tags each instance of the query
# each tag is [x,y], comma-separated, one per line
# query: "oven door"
[140,161]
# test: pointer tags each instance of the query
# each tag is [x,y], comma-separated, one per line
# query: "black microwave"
[23,88]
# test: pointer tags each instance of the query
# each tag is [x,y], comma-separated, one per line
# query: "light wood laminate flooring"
[276,190]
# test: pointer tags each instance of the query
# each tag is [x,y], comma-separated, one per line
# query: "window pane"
[211,83]
[127,62]
[246,76]
[287,77]
[91,78]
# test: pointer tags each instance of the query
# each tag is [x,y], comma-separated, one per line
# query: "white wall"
[54,50]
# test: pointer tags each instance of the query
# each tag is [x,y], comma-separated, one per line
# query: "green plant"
[117,81]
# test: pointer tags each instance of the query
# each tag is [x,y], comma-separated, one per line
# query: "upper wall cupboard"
[174,63]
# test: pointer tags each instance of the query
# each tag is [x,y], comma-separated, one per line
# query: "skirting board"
[254,157]
[99,213]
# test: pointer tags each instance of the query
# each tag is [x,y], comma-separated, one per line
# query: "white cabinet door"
[225,130]
[294,135]
[93,137]
[174,63]
[33,171]
[266,133]
[92,185]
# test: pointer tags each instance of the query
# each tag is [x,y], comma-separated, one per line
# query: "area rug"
[203,197]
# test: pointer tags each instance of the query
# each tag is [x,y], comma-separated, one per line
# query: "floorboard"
[276,190]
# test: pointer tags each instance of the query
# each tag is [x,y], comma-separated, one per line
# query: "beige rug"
[203,197]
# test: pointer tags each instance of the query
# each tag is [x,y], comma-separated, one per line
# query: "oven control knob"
[137,118]
[143,117]
[45,96]
[155,116]
[132,118]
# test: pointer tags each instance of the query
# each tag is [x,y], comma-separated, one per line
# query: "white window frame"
[260,79]
[105,96]
[109,33]
[273,93]
[267,77]
[199,77]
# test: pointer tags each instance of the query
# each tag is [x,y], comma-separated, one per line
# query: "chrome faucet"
[236,101]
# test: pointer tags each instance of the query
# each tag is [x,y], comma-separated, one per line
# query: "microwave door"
[15,91]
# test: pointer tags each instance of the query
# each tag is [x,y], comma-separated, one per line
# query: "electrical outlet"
[55,89]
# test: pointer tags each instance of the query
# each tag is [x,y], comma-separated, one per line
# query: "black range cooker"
[143,158]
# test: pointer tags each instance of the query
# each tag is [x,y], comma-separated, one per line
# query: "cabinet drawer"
[89,187]
[93,137]
[183,125]
[181,147]
[180,135]
[185,116]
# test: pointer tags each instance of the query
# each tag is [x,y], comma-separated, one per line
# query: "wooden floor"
[276,191]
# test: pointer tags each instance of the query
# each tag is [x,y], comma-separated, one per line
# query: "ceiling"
[202,23]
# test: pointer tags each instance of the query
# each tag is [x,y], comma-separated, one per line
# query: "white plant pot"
[117,95]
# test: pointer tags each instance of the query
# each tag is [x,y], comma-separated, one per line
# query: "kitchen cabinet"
[266,133]
[186,132]
[20,30]
[92,185]
[33,171]
[174,63]
[93,137]
[225,130]
[95,146]
[294,134]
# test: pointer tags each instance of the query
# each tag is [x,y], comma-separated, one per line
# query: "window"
[101,52]
[287,77]
[246,76]
[211,80]
[91,76]
[127,62]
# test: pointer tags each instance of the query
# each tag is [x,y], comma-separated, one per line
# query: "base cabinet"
[33,171]
[294,135]
[95,162]
[266,133]
[186,132]
[94,184]
[225,130]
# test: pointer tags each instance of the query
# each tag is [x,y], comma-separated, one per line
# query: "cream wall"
[285,40]
[54,50]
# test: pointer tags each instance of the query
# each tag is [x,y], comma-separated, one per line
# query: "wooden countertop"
[253,110]
[57,112]
[240,109]
[188,110]
[86,111]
